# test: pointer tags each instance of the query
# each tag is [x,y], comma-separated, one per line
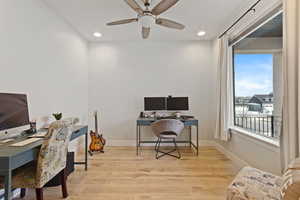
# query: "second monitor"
[166,103]
[177,103]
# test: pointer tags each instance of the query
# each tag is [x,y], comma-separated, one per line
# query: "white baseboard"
[240,163]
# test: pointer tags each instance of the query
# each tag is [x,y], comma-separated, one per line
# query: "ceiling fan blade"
[163,6]
[124,21]
[169,23]
[145,32]
[135,6]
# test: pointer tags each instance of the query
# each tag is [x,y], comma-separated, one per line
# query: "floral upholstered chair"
[254,184]
[51,162]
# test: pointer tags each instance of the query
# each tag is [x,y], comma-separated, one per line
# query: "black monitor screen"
[154,103]
[178,103]
[13,111]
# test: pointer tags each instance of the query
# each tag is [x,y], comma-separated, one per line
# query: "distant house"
[260,101]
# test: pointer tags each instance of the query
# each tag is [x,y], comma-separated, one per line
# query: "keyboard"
[182,117]
[39,135]
[185,117]
[167,117]
[25,142]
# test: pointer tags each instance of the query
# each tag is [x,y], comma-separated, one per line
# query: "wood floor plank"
[119,174]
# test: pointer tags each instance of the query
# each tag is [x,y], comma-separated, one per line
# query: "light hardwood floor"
[120,175]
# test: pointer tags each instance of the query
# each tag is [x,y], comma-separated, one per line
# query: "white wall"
[121,74]
[43,57]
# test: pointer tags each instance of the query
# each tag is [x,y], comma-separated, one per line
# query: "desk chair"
[51,162]
[167,129]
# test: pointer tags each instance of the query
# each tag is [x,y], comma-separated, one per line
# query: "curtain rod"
[252,8]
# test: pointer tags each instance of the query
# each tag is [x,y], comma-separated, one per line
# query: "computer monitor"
[154,103]
[178,103]
[14,116]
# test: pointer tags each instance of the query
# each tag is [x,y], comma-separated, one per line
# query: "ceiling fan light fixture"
[97,34]
[147,20]
[201,33]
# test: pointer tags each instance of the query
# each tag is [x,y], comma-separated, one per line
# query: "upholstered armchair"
[51,162]
[167,129]
[254,184]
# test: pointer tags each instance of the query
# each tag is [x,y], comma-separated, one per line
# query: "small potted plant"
[57,116]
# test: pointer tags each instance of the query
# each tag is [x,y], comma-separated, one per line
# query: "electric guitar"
[97,140]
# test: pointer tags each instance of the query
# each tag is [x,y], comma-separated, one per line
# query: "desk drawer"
[79,132]
[24,158]
[144,122]
[191,123]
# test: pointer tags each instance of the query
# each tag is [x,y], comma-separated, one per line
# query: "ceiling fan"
[148,17]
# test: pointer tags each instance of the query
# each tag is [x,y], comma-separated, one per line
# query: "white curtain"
[291,83]
[224,90]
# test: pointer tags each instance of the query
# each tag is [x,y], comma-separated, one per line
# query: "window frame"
[273,141]
[261,21]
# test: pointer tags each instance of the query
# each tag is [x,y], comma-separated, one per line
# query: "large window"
[257,65]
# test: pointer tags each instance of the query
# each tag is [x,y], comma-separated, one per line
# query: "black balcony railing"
[260,125]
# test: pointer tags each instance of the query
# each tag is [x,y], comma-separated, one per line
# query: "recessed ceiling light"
[97,34]
[201,33]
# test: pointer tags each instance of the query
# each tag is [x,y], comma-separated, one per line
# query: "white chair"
[167,129]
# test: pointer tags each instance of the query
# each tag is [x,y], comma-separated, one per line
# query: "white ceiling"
[88,16]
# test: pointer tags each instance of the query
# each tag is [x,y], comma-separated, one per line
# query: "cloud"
[247,84]
[249,87]
[253,74]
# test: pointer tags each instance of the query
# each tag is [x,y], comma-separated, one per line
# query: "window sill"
[267,141]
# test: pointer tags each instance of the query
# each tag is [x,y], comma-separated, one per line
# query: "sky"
[253,74]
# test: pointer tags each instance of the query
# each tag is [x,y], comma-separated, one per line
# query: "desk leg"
[8,193]
[197,139]
[137,140]
[139,136]
[86,151]
[190,136]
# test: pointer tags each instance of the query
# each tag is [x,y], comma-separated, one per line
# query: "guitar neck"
[96,123]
